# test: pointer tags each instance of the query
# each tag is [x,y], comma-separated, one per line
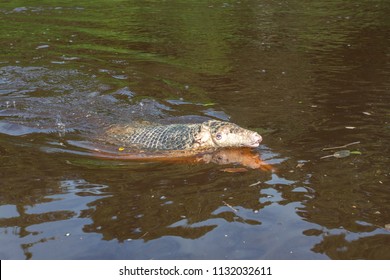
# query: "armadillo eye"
[218,136]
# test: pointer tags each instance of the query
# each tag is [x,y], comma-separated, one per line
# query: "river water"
[307,75]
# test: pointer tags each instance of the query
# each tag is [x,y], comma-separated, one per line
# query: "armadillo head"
[224,134]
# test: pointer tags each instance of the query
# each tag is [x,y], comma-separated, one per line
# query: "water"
[306,74]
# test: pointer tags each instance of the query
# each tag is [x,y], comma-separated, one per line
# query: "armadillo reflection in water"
[242,157]
[190,138]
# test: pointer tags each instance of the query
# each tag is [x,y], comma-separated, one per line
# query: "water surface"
[305,74]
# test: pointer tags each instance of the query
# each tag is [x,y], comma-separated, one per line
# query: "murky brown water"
[306,74]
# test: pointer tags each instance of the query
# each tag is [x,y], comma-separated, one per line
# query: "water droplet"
[60,126]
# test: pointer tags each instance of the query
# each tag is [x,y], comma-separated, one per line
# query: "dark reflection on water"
[305,74]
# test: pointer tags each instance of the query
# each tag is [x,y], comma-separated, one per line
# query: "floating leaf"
[342,154]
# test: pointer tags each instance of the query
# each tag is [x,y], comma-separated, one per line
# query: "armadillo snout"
[255,139]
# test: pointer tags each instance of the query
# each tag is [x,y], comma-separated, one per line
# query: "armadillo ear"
[204,134]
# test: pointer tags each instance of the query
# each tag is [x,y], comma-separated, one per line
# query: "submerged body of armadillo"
[208,135]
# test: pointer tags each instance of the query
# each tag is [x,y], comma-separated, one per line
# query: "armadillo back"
[156,137]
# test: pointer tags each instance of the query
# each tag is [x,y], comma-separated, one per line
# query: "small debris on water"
[255,184]
[42,47]
[57,62]
[235,170]
[121,149]
[350,127]
[338,154]
[70,58]
[340,147]
[120,77]
[67,234]
[342,154]
[367,113]
[231,207]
